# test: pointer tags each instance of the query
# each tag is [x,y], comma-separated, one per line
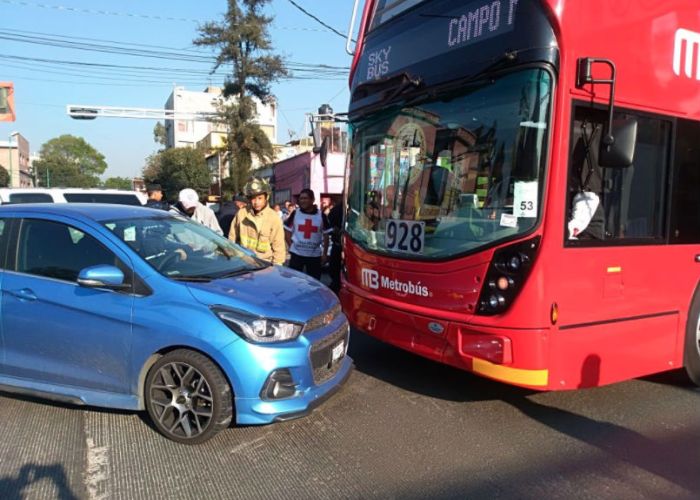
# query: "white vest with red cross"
[307,234]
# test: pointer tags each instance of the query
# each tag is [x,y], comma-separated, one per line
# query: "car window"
[31,198]
[59,251]
[119,199]
[4,230]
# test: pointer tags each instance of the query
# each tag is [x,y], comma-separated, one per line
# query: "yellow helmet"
[256,186]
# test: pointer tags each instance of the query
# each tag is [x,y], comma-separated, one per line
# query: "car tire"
[691,353]
[187,397]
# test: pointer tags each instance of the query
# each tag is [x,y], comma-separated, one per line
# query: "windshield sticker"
[525,199]
[509,220]
[130,233]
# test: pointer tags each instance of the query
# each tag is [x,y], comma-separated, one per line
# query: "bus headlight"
[506,275]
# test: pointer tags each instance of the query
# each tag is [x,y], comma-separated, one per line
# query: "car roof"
[95,211]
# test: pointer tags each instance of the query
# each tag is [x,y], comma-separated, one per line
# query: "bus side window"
[630,199]
[685,201]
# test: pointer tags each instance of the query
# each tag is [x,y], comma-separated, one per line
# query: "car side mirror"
[617,146]
[102,276]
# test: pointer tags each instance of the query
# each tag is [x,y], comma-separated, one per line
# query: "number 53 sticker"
[404,236]
[525,199]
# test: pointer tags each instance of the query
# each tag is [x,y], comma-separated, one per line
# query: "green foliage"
[160,136]
[178,168]
[118,183]
[243,40]
[71,161]
[4,177]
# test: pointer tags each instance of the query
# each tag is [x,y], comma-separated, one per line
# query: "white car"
[71,195]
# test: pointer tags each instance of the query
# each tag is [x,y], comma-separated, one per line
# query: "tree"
[178,168]
[71,162]
[118,183]
[160,135]
[4,177]
[243,40]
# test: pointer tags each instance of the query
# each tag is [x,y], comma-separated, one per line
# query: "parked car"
[71,195]
[134,308]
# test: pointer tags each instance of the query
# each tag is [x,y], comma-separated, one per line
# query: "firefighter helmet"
[256,186]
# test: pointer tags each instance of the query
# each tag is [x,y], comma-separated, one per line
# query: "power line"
[100,12]
[47,39]
[317,19]
[64,8]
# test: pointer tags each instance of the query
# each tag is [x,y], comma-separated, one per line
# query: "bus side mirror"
[617,146]
[322,151]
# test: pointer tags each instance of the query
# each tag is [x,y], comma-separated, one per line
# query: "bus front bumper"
[511,355]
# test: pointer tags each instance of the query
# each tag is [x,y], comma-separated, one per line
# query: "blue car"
[133,308]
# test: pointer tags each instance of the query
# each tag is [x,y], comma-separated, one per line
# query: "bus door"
[614,321]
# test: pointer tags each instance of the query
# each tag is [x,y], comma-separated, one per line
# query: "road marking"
[250,445]
[97,469]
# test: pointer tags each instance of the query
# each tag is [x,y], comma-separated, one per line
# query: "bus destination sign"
[435,35]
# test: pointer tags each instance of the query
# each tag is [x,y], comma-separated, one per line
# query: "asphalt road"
[402,427]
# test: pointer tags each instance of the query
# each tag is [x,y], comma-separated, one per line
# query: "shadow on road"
[13,487]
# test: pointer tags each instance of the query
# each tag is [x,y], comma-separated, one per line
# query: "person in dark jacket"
[155,197]
[335,219]
[228,211]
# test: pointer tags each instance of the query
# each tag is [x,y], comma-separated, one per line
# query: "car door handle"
[23,294]
[697,258]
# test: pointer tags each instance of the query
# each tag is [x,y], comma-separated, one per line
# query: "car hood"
[275,292]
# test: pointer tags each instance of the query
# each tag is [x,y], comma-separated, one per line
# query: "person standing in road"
[306,231]
[258,227]
[188,205]
[155,197]
[228,212]
[335,220]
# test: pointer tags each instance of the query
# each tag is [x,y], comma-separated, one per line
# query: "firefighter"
[258,227]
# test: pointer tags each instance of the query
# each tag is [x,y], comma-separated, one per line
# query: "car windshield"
[181,249]
[454,172]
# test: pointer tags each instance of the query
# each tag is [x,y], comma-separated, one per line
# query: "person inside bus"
[371,215]
[586,215]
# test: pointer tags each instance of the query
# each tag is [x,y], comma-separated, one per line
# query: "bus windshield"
[454,172]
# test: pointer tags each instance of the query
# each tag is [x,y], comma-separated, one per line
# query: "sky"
[43,52]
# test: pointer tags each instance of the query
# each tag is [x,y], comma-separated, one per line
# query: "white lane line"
[96,475]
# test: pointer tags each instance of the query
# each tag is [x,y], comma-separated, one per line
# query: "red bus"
[523,189]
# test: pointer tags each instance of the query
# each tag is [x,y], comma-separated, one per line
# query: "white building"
[187,133]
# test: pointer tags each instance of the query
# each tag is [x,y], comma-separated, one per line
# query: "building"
[208,135]
[187,133]
[14,157]
[299,164]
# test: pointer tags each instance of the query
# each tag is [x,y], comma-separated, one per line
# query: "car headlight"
[256,328]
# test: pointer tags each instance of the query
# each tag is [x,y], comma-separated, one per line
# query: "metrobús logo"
[373,280]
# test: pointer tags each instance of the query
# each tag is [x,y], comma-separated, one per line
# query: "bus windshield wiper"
[394,86]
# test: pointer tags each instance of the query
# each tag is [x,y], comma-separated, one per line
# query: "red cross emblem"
[307,228]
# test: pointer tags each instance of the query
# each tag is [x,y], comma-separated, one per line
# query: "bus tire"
[691,352]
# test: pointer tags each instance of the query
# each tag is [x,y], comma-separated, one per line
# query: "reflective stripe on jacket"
[261,233]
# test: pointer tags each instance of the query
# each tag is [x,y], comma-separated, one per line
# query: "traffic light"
[7,102]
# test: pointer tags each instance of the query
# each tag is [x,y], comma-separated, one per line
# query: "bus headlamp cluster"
[506,274]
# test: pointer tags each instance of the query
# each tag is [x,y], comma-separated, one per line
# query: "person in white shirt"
[188,205]
[307,231]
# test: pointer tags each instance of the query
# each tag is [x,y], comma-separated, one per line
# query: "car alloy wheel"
[187,397]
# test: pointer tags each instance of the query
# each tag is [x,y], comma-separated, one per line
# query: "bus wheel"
[691,356]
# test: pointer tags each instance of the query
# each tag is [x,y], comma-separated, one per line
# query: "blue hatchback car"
[133,308]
